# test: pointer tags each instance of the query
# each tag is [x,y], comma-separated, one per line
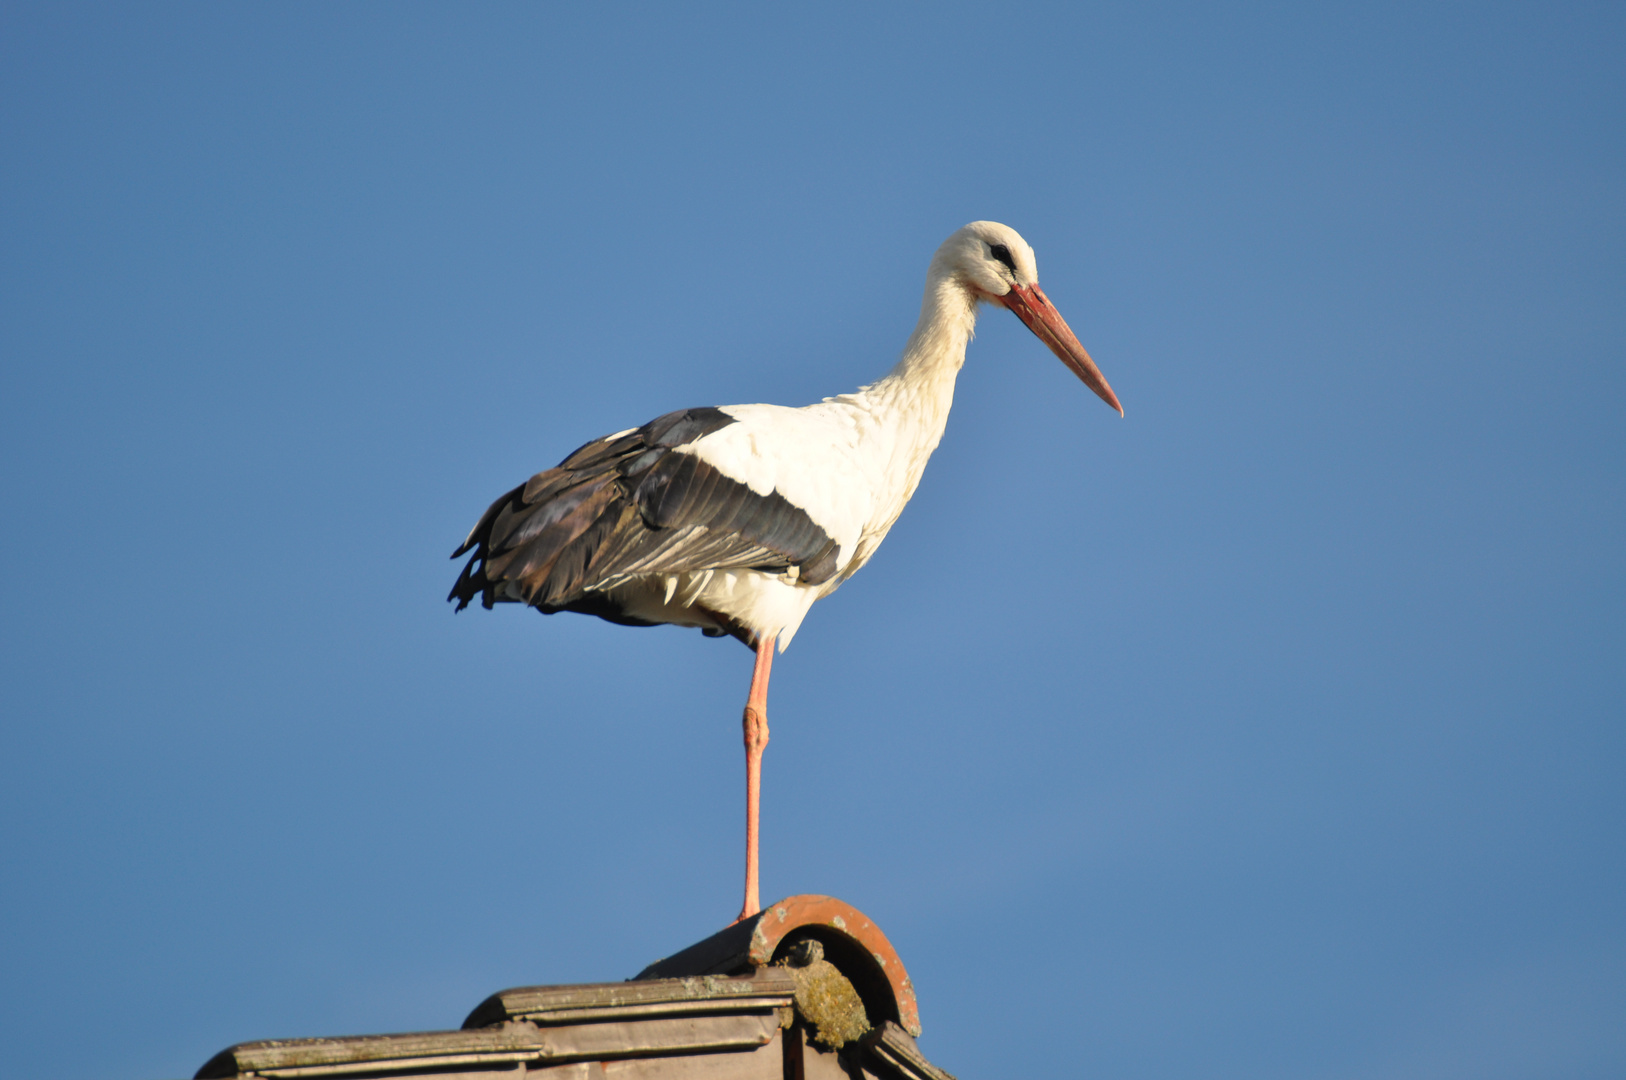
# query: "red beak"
[1033,307]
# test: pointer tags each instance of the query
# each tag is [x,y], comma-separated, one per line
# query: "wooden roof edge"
[887,1046]
[270,1054]
[517,1041]
[764,988]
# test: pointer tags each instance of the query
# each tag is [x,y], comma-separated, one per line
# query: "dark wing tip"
[470,583]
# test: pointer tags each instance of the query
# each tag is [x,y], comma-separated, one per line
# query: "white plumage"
[736,519]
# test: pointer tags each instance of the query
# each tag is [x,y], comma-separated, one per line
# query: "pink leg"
[756,737]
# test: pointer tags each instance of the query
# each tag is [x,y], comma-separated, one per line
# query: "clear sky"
[1275,730]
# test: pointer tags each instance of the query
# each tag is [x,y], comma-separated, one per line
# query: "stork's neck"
[900,418]
[922,382]
[902,415]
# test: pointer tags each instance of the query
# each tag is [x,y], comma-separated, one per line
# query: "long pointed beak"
[1033,307]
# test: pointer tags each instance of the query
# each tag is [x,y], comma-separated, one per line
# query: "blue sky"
[1274,730]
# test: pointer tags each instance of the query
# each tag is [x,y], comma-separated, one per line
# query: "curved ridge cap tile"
[782,918]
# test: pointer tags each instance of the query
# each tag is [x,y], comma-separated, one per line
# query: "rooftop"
[808,988]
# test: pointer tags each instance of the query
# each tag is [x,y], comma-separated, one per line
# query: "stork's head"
[995,265]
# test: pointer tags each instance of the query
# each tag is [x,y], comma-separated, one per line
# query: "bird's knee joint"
[756,729]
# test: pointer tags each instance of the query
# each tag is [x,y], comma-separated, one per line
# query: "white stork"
[733,520]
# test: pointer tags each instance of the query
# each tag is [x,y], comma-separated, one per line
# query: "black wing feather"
[632,505]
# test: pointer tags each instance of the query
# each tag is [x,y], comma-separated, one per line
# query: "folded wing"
[632,504]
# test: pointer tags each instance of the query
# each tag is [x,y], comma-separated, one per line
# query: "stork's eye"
[1003,254]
